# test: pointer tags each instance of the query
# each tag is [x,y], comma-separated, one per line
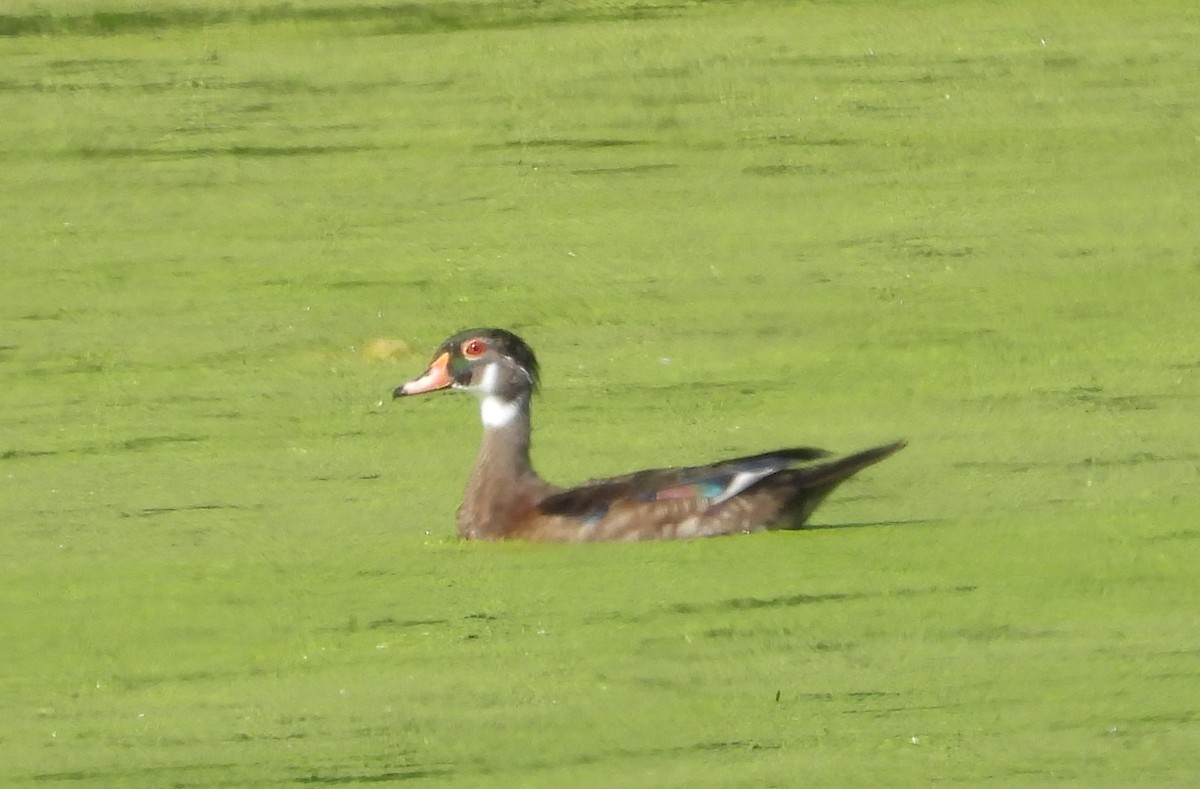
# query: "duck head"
[495,365]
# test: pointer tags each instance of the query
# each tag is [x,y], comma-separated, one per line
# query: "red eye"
[473,349]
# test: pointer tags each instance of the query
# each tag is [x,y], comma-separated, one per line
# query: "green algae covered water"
[230,229]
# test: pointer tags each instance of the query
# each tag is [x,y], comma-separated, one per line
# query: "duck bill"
[436,377]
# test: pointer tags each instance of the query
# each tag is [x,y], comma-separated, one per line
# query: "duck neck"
[504,451]
[503,482]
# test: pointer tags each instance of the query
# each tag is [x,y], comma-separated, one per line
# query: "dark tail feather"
[814,483]
[842,468]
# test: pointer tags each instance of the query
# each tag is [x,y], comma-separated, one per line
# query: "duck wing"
[705,486]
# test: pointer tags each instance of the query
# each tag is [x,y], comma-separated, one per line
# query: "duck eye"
[473,349]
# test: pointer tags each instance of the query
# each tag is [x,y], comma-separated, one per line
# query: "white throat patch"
[491,379]
[496,412]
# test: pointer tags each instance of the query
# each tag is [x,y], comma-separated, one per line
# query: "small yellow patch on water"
[383,348]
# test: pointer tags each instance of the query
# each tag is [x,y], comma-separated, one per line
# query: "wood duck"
[506,499]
